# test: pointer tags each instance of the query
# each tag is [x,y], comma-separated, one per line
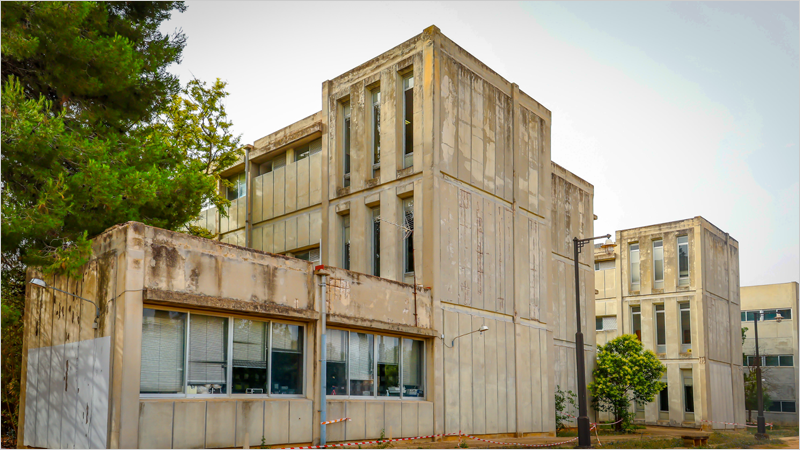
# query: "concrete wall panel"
[336,432]
[249,422]
[276,422]
[303,182]
[393,419]
[375,419]
[452,370]
[425,419]
[220,424]
[490,366]
[478,377]
[155,424]
[189,425]
[465,372]
[356,428]
[301,412]
[410,419]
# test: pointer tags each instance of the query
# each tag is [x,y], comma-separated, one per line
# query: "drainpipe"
[247,181]
[323,408]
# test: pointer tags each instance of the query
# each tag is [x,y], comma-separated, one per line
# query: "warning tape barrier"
[334,421]
[528,445]
[344,444]
[740,424]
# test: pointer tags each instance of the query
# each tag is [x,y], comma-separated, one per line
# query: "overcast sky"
[671,110]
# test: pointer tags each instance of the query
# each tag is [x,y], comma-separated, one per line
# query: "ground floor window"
[362,365]
[688,395]
[190,354]
[782,406]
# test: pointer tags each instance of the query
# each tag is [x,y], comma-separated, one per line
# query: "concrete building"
[676,287]
[424,167]
[777,345]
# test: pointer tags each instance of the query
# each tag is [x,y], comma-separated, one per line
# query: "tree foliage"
[625,373]
[566,407]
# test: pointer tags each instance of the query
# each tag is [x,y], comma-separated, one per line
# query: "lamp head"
[38,282]
[778,318]
[483,328]
[608,246]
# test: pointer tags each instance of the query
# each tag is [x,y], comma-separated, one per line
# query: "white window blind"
[610,323]
[285,337]
[412,362]
[163,335]
[249,344]
[207,344]
[388,350]
[360,357]
[336,349]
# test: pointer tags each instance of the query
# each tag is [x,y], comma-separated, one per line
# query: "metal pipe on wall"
[323,409]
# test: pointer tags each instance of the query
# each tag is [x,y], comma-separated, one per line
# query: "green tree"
[565,402]
[625,373]
[751,389]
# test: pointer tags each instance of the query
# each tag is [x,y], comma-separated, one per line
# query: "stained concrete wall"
[775,339]
[713,295]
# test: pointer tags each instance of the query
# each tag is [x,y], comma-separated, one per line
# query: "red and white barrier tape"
[334,421]
[740,424]
[343,444]
[529,445]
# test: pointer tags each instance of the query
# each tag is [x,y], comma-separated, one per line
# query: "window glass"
[751,316]
[287,359]
[361,361]
[636,321]
[683,260]
[789,407]
[661,330]
[634,249]
[787,360]
[598,324]
[346,144]
[658,264]
[771,361]
[786,314]
[238,188]
[413,365]
[376,241]
[663,400]
[376,126]
[309,255]
[596,266]
[346,242]
[208,355]
[408,242]
[249,373]
[163,336]
[336,365]
[686,324]
[408,116]
[769,314]
[388,366]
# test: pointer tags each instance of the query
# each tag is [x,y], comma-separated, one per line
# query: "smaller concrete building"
[777,345]
[676,287]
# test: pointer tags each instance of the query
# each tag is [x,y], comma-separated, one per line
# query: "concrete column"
[326,219]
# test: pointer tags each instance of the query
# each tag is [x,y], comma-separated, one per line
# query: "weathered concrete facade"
[777,345]
[676,286]
[464,160]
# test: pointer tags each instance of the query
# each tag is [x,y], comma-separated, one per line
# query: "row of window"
[190,354]
[766,314]
[366,365]
[770,360]
[406,231]
[782,406]
[658,263]
[661,325]
[688,397]
[375,128]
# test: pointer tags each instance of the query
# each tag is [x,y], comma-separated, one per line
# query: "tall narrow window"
[336,362]
[249,356]
[376,241]
[376,130]
[287,359]
[346,143]
[688,395]
[658,264]
[663,401]
[408,120]
[634,267]
[636,321]
[163,344]
[408,243]
[362,360]
[413,366]
[346,242]
[388,366]
[238,189]
[683,260]
[208,356]
[686,327]
[661,330]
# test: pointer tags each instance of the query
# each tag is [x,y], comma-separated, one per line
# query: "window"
[598,324]
[686,326]
[772,360]
[683,260]
[767,314]
[346,242]
[408,243]
[163,343]
[781,406]
[639,411]
[223,355]
[346,143]
[376,241]
[636,321]
[374,365]
[661,330]
[596,266]
[309,255]
[658,264]
[688,394]
[307,150]
[606,323]
[376,130]
[663,400]
[274,163]
[634,267]
[238,190]
[408,116]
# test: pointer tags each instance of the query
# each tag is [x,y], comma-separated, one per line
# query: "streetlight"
[39,282]
[479,330]
[761,423]
[584,430]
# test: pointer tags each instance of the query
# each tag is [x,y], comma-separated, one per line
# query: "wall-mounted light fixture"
[39,282]
[479,330]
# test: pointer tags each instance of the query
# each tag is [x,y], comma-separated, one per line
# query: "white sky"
[671,110]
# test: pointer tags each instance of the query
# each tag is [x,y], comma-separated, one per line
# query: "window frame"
[683,281]
[635,286]
[762,313]
[405,241]
[229,361]
[346,142]
[408,158]
[375,257]
[375,395]
[658,283]
[375,128]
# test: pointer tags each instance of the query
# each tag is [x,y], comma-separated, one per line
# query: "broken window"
[408,120]
[658,264]
[376,130]
[634,255]
[408,242]
[346,242]
[376,241]
[683,260]
[346,143]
